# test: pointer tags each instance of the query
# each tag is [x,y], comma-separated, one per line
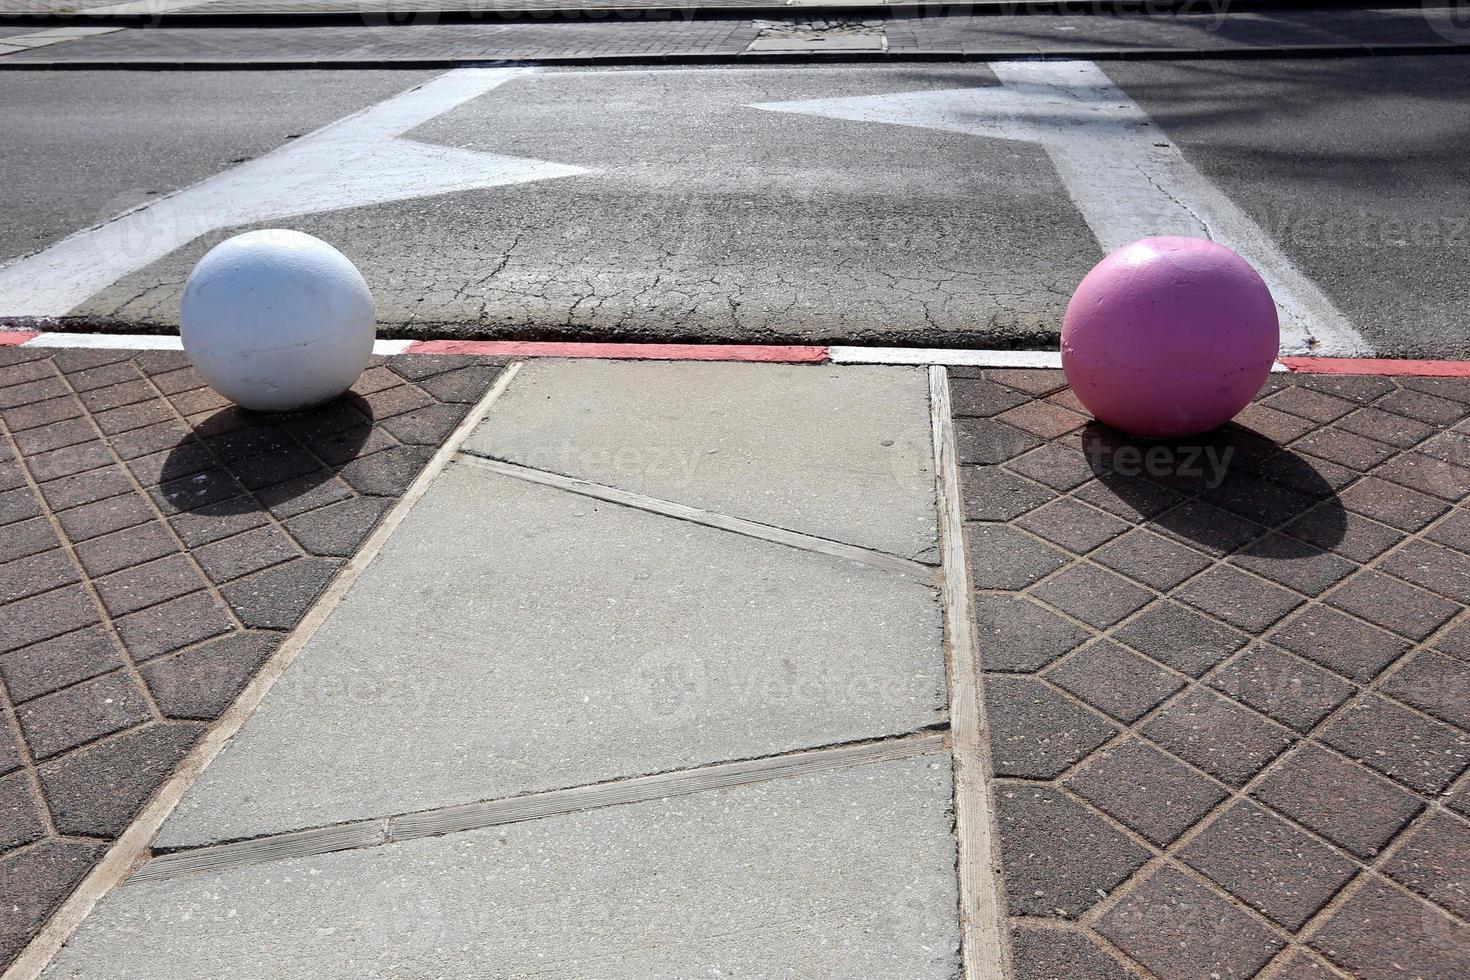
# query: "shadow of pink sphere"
[1169,337]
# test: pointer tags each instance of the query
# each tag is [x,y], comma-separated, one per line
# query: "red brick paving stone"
[1345,448]
[398,400]
[1180,637]
[104,516]
[120,420]
[1279,427]
[51,665]
[182,379]
[278,466]
[286,500]
[1453,388]
[77,359]
[1302,966]
[1422,406]
[1030,380]
[1280,871]
[1287,688]
[465,385]
[1181,930]
[57,435]
[992,494]
[1004,558]
[20,821]
[1035,732]
[27,538]
[1349,535]
[337,529]
[1383,933]
[1142,500]
[1405,609]
[1455,641]
[104,376]
[1362,388]
[1073,525]
[178,462]
[1062,859]
[96,792]
[35,391]
[1207,527]
[26,577]
[85,488]
[18,505]
[1381,426]
[1420,752]
[416,367]
[1434,860]
[1060,467]
[1428,475]
[1315,406]
[82,713]
[337,448]
[129,393]
[73,459]
[1148,791]
[1217,735]
[158,438]
[1339,642]
[1093,595]
[198,529]
[278,597]
[981,399]
[1042,419]
[1354,808]
[245,553]
[986,441]
[25,372]
[1151,559]
[133,546]
[164,628]
[44,616]
[201,682]
[1259,500]
[1241,600]
[1294,564]
[197,492]
[146,585]
[35,881]
[1400,507]
[1435,684]
[198,401]
[10,753]
[1052,954]
[1432,567]
[1114,680]
[1018,636]
[1450,446]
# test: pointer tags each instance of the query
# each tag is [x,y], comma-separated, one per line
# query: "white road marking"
[134,341]
[1125,175]
[361,159]
[931,355]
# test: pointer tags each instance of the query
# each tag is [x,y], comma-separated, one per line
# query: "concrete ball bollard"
[1169,337]
[277,321]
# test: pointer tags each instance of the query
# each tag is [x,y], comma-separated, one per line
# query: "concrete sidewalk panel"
[513,638]
[839,874]
[841,453]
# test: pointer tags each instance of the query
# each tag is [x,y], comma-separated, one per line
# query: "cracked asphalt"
[701,218]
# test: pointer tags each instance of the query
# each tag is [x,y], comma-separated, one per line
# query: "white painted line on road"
[135,341]
[43,39]
[359,160]
[961,357]
[1125,175]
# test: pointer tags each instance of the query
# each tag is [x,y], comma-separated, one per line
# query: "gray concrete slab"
[839,452]
[843,874]
[513,638]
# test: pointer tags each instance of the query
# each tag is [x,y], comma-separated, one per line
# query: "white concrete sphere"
[277,320]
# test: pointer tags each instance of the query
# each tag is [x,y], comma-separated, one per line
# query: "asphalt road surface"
[741,204]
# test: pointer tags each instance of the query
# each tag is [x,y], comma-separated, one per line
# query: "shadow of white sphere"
[277,320]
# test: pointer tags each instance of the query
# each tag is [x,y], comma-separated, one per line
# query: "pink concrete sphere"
[1169,337]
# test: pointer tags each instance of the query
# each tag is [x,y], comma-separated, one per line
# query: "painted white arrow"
[1126,176]
[359,160]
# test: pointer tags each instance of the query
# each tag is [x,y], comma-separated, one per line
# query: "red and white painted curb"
[749,353]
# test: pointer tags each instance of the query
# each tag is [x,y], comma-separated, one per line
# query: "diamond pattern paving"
[155,545]
[1227,681]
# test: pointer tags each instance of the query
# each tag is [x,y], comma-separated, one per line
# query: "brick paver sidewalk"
[1228,683]
[155,546]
